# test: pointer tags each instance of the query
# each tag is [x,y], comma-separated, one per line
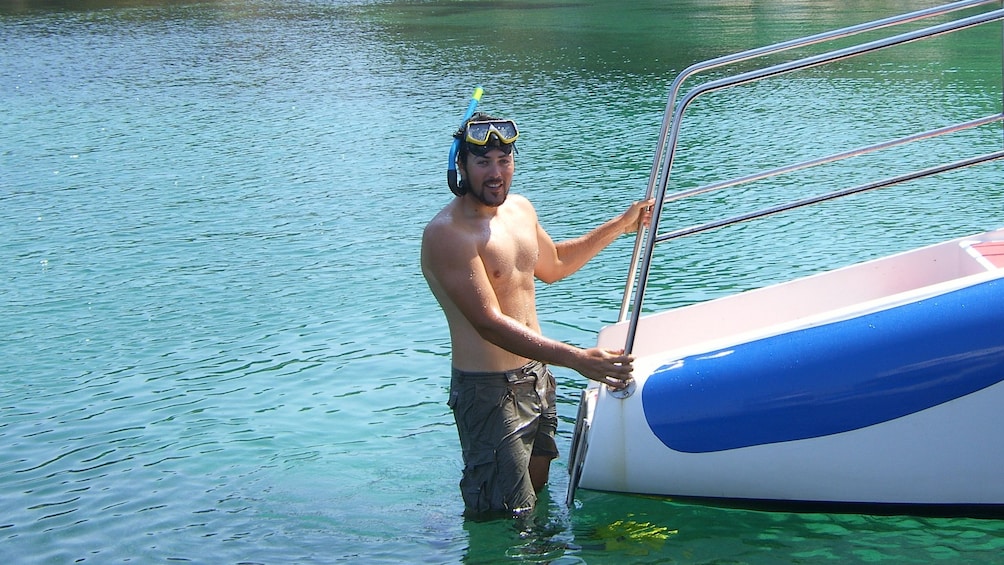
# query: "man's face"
[489,177]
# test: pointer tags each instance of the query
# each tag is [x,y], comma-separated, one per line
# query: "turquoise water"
[216,345]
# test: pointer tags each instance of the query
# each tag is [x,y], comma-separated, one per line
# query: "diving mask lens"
[479,133]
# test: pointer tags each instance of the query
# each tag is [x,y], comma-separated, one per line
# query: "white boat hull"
[879,383]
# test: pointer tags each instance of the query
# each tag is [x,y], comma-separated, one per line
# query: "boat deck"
[992,251]
[801,301]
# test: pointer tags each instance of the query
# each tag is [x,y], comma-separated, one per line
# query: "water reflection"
[42,6]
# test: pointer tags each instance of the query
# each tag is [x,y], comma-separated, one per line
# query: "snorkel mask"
[480,132]
[478,136]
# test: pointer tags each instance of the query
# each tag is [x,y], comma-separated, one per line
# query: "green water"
[215,342]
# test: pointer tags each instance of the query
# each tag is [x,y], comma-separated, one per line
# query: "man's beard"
[480,197]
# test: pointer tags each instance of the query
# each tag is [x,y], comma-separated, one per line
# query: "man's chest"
[510,252]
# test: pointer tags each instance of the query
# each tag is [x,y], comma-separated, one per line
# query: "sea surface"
[216,345]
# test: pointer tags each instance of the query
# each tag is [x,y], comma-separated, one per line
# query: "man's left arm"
[559,260]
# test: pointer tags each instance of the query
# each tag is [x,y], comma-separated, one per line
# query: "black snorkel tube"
[451,170]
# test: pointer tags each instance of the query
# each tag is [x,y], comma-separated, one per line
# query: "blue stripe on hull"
[834,378]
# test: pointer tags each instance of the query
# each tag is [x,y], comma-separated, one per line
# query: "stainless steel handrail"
[833,158]
[938,169]
[667,143]
[662,162]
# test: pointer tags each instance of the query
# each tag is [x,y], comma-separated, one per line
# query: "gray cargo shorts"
[503,419]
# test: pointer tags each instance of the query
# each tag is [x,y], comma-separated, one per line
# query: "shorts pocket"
[475,485]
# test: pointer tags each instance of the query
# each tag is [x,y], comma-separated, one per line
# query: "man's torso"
[507,246]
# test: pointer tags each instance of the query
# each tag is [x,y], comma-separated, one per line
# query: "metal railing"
[672,121]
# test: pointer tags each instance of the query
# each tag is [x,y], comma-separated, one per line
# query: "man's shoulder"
[520,206]
[442,219]
[519,200]
[443,228]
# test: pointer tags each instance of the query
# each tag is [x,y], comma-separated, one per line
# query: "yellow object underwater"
[636,538]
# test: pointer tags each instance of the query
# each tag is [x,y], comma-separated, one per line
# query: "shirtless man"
[480,255]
